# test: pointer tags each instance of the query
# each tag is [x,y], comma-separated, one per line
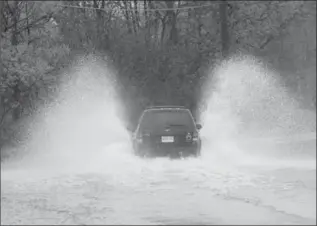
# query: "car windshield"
[167,118]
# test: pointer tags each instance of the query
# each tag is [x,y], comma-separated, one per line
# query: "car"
[167,131]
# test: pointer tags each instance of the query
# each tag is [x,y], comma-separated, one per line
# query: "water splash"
[83,120]
[247,109]
[81,149]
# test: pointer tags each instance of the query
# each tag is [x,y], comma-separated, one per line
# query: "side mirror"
[198,126]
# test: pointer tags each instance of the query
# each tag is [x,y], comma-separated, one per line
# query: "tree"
[31,53]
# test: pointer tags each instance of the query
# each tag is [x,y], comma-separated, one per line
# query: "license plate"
[167,139]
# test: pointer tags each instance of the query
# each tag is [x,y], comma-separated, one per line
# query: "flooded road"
[118,188]
[79,168]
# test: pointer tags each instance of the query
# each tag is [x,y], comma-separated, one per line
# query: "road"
[114,187]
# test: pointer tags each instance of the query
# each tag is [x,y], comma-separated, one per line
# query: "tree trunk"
[147,27]
[137,16]
[1,18]
[225,39]
[133,17]
[27,21]
[1,29]
[171,21]
[14,37]
[14,42]
[127,16]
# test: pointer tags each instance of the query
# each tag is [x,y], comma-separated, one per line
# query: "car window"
[164,118]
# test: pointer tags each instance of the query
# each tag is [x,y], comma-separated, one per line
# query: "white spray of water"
[79,146]
[83,130]
[84,121]
[247,109]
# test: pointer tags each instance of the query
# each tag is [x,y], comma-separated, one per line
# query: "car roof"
[165,107]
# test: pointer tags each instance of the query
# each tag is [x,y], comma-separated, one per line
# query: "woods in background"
[154,45]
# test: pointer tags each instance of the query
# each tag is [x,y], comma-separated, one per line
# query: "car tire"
[140,153]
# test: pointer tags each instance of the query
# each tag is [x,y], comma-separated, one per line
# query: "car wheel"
[140,153]
[199,150]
